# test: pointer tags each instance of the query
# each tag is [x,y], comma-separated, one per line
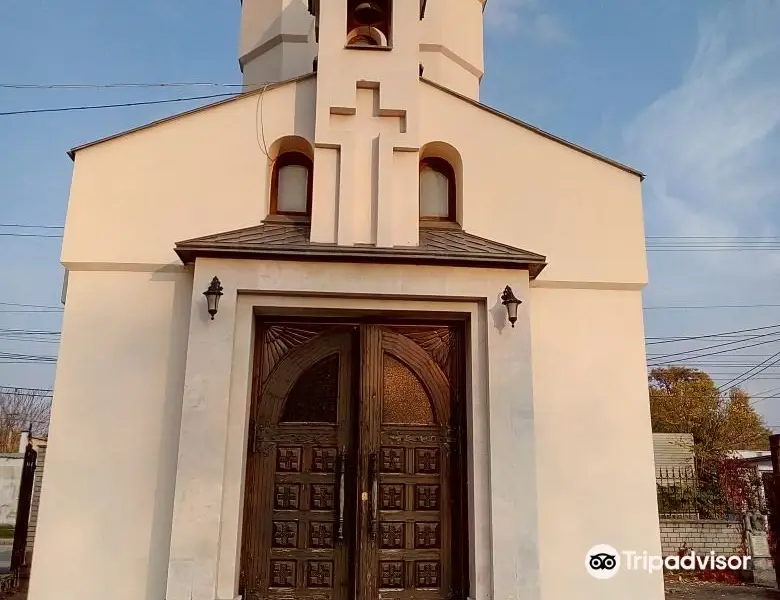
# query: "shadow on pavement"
[695,590]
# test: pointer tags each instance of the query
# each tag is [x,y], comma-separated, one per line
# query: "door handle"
[342,493]
[374,475]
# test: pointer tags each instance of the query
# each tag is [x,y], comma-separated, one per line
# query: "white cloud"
[526,17]
[548,29]
[711,144]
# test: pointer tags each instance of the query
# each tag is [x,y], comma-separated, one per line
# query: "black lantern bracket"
[511,303]
[213,294]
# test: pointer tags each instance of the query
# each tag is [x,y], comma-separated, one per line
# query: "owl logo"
[602,561]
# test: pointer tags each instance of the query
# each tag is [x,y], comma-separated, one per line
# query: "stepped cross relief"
[375,134]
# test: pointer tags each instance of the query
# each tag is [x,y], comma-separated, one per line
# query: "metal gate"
[772,489]
[18,554]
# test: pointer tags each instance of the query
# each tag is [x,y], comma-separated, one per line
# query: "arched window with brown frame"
[291,185]
[438,194]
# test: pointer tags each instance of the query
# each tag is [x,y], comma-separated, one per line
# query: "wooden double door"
[354,484]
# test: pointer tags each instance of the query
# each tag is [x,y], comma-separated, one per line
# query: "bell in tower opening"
[368,23]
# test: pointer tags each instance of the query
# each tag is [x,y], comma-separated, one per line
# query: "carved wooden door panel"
[407,439]
[296,539]
[355,496]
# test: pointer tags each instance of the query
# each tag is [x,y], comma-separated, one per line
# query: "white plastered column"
[503,538]
[513,493]
[200,472]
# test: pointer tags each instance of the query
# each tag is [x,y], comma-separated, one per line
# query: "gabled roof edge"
[535,129]
[72,152]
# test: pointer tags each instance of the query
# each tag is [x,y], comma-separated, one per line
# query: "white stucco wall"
[106,501]
[523,189]
[133,197]
[207,172]
[595,452]
[128,341]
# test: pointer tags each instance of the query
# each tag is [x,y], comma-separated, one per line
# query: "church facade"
[351,334]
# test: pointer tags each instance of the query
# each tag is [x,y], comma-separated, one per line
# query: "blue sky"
[686,91]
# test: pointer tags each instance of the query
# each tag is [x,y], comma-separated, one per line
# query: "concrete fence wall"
[10,477]
[703,536]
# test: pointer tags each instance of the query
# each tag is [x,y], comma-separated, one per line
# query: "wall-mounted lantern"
[212,296]
[508,299]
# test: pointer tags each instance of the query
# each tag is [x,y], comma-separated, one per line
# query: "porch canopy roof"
[290,241]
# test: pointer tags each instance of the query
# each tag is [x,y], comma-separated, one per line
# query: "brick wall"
[36,500]
[722,537]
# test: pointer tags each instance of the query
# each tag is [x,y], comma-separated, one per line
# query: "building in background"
[673,451]
[367,409]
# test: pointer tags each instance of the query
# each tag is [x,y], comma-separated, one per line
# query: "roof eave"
[189,252]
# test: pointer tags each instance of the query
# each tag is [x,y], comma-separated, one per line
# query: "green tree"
[685,400]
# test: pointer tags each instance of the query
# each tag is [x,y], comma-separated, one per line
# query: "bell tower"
[279,38]
[277,41]
[368,69]
[451,44]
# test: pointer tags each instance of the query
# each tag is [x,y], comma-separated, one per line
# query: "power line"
[713,362]
[30,305]
[36,392]
[30,235]
[32,226]
[26,361]
[711,243]
[28,331]
[651,247]
[22,336]
[709,335]
[90,86]
[26,356]
[695,307]
[27,340]
[763,335]
[649,237]
[771,390]
[660,364]
[118,105]
[31,310]
[712,237]
[759,378]
[4,361]
[739,380]
[774,248]
[765,397]
[670,340]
